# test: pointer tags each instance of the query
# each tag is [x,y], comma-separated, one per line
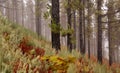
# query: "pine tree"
[69,43]
[99,21]
[55,20]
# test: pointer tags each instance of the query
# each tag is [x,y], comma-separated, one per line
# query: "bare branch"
[118,21]
[111,13]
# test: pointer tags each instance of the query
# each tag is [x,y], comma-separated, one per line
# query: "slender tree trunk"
[16,11]
[84,25]
[13,12]
[74,26]
[88,47]
[82,50]
[69,43]
[55,20]
[7,10]
[22,13]
[110,33]
[38,17]
[99,18]
[1,8]
[88,29]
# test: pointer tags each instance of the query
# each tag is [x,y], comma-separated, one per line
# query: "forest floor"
[23,51]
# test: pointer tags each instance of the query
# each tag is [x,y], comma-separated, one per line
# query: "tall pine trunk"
[110,33]
[38,16]
[84,25]
[74,27]
[69,43]
[55,20]
[88,26]
[99,19]
[82,50]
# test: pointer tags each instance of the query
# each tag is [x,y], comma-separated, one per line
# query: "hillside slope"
[22,51]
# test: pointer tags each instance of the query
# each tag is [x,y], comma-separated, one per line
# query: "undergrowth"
[23,51]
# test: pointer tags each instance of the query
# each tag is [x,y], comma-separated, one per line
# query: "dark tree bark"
[38,16]
[74,26]
[69,43]
[110,32]
[55,20]
[84,25]
[99,19]
[82,50]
